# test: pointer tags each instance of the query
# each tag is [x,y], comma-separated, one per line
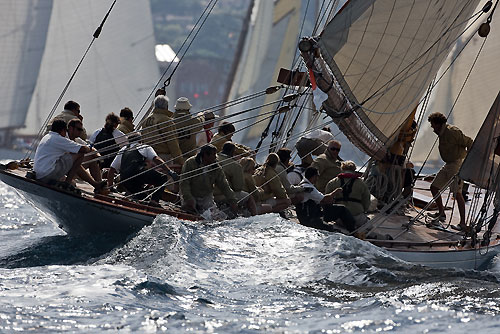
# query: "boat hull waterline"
[77,214]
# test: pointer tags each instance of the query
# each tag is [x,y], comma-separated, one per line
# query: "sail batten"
[385,53]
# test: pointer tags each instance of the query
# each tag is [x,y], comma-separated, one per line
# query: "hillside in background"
[204,71]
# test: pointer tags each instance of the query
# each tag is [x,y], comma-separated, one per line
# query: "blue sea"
[257,275]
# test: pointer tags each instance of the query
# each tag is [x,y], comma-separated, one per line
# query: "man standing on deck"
[453,147]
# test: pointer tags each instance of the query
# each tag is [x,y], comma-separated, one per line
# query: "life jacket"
[133,163]
[105,143]
[347,190]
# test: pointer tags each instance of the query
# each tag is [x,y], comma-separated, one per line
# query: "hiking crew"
[316,208]
[200,174]
[108,140]
[160,132]
[355,194]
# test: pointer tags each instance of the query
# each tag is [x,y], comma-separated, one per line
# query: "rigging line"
[191,151]
[185,117]
[54,108]
[167,81]
[322,14]
[201,168]
[409,75]
[159,137]
[170,64]
[423,109]
[407,67]
[235,157]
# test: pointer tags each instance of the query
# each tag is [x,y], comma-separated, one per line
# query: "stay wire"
[214,109]
[56,104]
[178,63]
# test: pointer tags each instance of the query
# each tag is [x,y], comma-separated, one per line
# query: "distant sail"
[22,41]
[384,54]
[270,45]
[120,69]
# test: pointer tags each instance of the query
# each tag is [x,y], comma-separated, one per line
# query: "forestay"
[385,54]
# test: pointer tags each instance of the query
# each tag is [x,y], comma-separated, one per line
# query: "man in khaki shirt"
[453,147]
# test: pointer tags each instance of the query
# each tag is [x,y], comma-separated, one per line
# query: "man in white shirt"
[90,161]
[57,156]
[310,210]
[133,162]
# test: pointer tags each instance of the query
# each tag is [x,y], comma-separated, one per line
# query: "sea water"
[248,275]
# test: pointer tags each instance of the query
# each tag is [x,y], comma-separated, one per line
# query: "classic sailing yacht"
[375,60]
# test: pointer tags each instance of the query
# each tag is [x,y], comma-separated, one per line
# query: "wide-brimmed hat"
[208,115]
[182,104]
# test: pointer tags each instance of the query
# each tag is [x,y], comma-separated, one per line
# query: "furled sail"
[384,54]
[480,167]
[120,70]
[22,41]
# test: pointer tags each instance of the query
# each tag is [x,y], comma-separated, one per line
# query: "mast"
[239,52]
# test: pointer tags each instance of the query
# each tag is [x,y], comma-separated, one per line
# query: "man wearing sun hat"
[206,136]
[188,126]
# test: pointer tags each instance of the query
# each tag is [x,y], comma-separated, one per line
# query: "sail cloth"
[468,104]
[481,164]
[22,41]
[271,44]
[385,53]
[119,71]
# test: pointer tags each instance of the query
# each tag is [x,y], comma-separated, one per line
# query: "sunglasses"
[334,149]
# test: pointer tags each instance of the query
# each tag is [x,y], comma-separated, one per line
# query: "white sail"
[120,69]
[467,103]
[271,44]
[22,41]
[385,53]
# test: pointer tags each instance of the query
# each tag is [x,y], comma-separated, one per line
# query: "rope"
[182,57]
[56,104]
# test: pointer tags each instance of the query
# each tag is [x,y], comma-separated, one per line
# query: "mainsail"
[22,41]
[468,84]
[120,69]
[384,54]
